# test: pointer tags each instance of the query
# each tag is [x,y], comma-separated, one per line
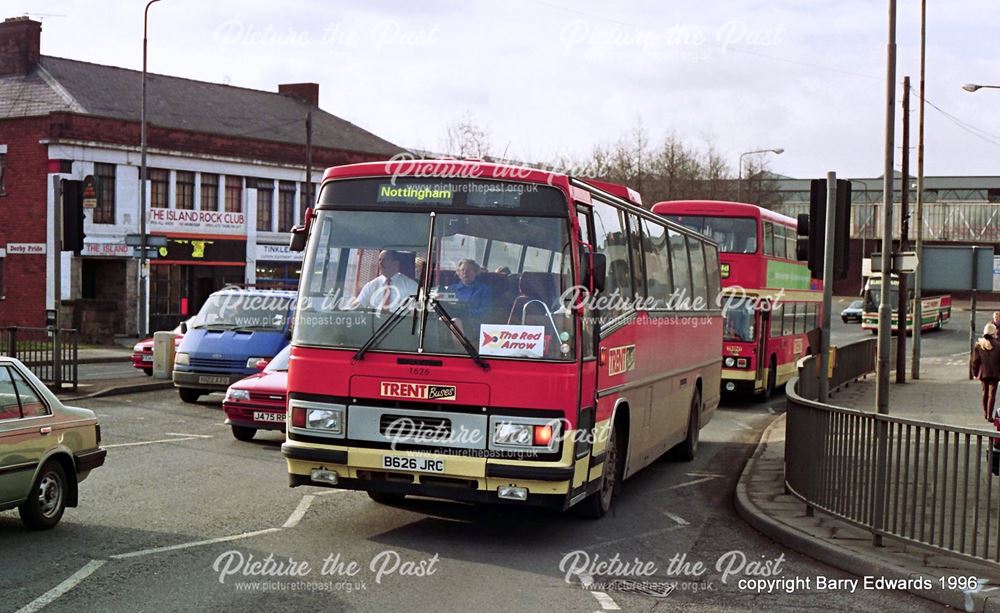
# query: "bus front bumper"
[477,480]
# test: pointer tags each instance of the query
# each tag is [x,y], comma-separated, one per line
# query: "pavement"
[943,394]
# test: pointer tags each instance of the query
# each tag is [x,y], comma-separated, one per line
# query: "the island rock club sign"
[197,222]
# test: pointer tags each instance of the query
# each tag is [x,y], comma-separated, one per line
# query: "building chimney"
[308,92]
[20,45]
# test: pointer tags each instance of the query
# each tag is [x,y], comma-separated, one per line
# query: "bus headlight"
[182,359]
[318,418]
[729,362]
[525,433]
[325,419]
[513,434]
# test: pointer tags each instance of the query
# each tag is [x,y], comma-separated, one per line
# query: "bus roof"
[474,169]
[721,208]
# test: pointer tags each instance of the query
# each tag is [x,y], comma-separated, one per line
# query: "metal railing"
[927,484]
[52,355]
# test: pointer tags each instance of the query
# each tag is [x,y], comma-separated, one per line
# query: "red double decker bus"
[770,303]
[487,333]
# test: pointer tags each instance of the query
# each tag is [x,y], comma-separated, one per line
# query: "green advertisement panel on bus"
[787,275]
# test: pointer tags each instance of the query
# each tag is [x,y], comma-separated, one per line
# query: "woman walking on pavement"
[986,367]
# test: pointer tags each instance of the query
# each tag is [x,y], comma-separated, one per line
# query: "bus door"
[763,327]
[588,331]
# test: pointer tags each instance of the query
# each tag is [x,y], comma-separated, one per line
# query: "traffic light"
[72,216]
[816,231]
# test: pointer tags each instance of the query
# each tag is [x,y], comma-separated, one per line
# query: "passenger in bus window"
[474,295]
[390,288]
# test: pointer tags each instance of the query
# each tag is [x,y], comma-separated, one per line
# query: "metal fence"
[52,356]
[927,484]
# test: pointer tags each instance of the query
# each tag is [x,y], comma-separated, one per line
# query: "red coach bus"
[441,349]
[770,304]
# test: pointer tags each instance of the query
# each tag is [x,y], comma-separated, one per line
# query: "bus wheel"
[598,504]
[688,448]
[384,498]
[772,377]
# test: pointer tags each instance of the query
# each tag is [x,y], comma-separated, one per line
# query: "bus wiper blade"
[450,324]
[384,329]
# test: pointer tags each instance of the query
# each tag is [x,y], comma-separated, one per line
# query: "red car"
[142,353]
[259,401]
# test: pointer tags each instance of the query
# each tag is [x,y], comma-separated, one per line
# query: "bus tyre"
[688,448]
[189,394]
[598,504]
[384,498]
[45,504]
[243,433]
[148,371]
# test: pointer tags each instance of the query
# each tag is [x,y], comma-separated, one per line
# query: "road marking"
[770,410]
[162,440]
[222,539]
[189,435]
[296,516]
[50,596]
[677,518]
[607,603]
[704,474]
[688,483]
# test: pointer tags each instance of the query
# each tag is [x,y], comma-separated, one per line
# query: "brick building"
[226,181]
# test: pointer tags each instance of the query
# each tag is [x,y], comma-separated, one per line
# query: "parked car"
[46,448]
[852,312]
[259,401]
[235,329]
[142,353]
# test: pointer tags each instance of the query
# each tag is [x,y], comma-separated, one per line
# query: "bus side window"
[779,240]
[789,319]
[813,322]
[610,239]
[768,238]
[658,281]
[714,275]
[800,318]
[681,269]
[777,319]
[790,239]
[699,277]
[635,243]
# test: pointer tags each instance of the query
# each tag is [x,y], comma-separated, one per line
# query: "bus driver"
[389,289]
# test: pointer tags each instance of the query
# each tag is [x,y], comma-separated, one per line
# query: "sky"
[550,78]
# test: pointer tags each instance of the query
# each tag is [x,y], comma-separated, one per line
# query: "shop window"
[286,206]
[159,180]
[184,190]
[265,199]
[234,194]
[104,177]
[209,192]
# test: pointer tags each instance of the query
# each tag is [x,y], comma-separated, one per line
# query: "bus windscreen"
[734,234]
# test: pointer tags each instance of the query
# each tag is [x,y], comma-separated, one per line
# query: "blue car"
[233,331]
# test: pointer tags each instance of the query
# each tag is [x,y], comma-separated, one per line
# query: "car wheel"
[599,503]
[384,498]
[243,433]
[47,501]
[189,394]
[844,319]
[148,371]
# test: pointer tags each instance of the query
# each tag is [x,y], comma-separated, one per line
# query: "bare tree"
[464,138]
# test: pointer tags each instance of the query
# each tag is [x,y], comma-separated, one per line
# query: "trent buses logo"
[621,360]
[422,391]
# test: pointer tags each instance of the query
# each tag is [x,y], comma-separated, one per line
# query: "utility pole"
[918,309]
[904,227]
[884,312]
[143,262]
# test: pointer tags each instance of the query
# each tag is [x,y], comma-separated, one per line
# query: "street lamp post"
[739,181]
[143,262]
[868,218]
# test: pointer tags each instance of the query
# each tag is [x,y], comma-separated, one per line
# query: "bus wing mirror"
[184,327]
[301,233]
[600,270]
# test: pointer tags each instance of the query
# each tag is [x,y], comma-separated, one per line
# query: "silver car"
[46,448]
